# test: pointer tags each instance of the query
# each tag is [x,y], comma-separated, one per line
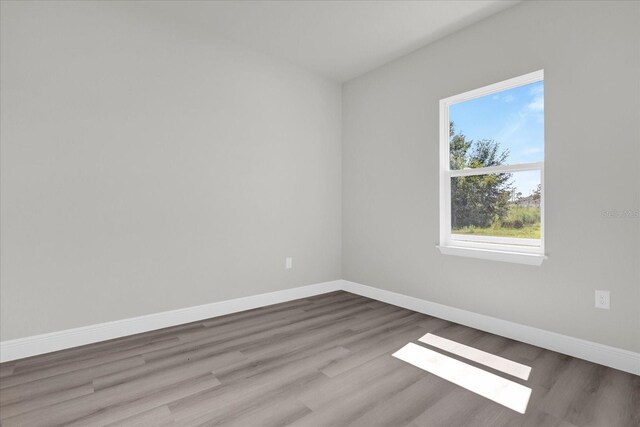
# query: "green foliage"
[527,232]
[482,199]
[536,193]
[519,217]
[485,153]
[458,148]
[522,222]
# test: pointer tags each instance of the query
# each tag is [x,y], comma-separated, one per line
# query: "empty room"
[320,213]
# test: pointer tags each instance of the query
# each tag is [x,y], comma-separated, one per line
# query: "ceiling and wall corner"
[337,39]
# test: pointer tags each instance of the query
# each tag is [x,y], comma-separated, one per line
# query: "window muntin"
[492,184]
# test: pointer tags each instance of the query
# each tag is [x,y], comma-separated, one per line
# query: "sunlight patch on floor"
[491,360]
[500,390]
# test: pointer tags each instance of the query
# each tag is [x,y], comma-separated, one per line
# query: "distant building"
[532,201]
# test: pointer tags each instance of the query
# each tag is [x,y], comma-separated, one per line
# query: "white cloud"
[537,105]
[536,90]
[504,98]
[511,128]
[532,150]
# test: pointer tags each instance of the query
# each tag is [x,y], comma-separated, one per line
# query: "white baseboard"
[613,357]
[54,341]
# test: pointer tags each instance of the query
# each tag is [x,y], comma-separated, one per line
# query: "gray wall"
[148,167]
[152,168]
[591,56]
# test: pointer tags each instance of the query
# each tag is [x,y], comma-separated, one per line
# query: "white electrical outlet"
[288,263]
[602,299]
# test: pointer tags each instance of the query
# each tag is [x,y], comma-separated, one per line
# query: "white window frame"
[523,251]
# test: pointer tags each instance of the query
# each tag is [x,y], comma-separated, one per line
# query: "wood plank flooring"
[319,361]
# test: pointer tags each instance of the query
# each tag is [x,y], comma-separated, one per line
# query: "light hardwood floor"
[320,361]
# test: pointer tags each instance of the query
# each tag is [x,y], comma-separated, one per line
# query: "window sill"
[494,255]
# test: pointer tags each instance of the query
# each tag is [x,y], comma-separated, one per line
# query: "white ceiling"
[337,39]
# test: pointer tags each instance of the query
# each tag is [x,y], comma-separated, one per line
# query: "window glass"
[496,205]
[502,128]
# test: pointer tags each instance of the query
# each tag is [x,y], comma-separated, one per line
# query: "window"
[492,171]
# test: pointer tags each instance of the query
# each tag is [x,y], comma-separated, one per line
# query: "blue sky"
[515,119]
